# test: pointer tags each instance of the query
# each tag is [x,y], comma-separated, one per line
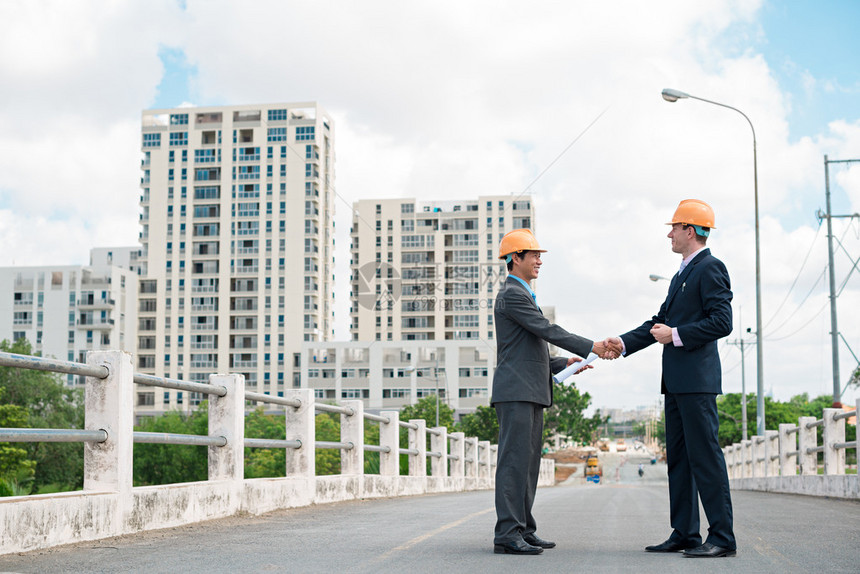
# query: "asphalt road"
[598,528]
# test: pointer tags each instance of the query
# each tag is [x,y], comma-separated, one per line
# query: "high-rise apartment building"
[430,271]
[237,234]
[64,311]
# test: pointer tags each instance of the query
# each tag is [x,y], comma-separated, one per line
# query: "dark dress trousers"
[699,306]
[522,388]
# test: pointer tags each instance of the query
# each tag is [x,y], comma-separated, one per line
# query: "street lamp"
[671,95]
[654,277]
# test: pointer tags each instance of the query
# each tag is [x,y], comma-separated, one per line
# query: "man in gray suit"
[522,389]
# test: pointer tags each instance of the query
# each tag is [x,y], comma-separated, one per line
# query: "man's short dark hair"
[520,254]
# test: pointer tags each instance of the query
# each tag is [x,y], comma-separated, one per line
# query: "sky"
[451,99]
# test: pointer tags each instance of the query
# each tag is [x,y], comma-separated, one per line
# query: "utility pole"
[834,329]
[741,343]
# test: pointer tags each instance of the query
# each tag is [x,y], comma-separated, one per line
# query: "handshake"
[608,349]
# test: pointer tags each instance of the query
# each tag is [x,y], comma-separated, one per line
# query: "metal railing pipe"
[377,448]
[434,432]
[453,457]
[434,454]
[412,451]
[264,398]
[153,381]
[376,418]
[841,445]
[812,425]
[272,443]
[334,409]
[845,415]
[814,449]
[407,425]
[52,435]
[43,364]
[174,438]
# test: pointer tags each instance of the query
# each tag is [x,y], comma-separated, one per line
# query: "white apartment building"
[66,310]
[237,234]
[393,374]
[430,271]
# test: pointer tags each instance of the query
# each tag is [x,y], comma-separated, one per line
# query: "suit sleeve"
[641,337]
[716,298]
[557,364]
[521,309]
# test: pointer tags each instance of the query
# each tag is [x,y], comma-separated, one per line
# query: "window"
[151,140]
[277,134]
[178,139]
[305,133]
[204,156]
[179,119]
[277,115]
[145,399]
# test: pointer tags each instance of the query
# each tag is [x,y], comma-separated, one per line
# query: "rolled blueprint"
[574,368]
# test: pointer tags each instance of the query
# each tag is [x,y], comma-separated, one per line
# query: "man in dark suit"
[697,313]
[522,389]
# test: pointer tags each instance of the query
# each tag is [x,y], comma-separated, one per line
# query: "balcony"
[95,324]
[99,303]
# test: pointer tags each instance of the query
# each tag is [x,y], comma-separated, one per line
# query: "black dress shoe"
[708,550]
[669,546]
[536,540]
[516,547]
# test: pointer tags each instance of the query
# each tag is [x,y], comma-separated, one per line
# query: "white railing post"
[494,460]
[109,405]
[227,419]
[352,430]
[807,438]
[834,432]
[757,453]
[418,441]
[771,453]
[439,443]
[458,450]
[471,457]
[734,451]
[301,426]
[484,460]
[728,458]
[787,445]
[389,435]
[747,468]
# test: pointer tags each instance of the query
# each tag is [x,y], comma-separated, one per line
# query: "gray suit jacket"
[523,367]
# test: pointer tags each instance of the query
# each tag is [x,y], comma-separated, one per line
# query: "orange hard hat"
[695,212]
[517,241]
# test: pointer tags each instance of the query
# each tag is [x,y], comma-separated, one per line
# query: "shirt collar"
[692,255]
[524,284]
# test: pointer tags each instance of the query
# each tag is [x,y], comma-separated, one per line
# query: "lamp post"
[436,379]
[654,277]
[671,95]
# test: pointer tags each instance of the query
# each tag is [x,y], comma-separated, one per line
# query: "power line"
[802,265]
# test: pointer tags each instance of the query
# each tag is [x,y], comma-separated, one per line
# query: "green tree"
[15,468]
[50,404]
[425,409]
[168,463]
[327,429]
[566,416]
[483,423]
[265,462]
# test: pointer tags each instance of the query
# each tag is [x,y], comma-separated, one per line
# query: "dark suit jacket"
[699,305]
[523,369]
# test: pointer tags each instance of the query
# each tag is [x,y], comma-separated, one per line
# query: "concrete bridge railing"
[786,460]
[109,505]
